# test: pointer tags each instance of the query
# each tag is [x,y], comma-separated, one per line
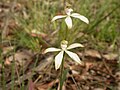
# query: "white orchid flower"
[64,49]
[68,19]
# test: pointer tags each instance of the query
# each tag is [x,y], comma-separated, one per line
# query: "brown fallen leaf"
[46,62]
[7,49]
[92,53]
[46,86]
[110,56]
[20,57]
[73,87]
[118,87]
[99,89]
[36,33]
[7,62]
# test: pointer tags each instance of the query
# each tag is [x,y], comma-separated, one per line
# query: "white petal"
[51,50]
[58,17]
[68,21]
[58,60]
[75,45]
[74,56]
[81,17]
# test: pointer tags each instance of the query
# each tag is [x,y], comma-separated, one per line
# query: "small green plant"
[32,19]
[59,58]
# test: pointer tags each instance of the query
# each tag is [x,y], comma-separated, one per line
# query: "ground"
[26,31]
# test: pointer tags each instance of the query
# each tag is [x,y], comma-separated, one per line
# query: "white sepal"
[58,17]
[74,56]
[52,49]
[75,45]
[58,59]
[68,21]
[81,17]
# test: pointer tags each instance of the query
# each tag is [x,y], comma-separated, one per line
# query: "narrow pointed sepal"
[51,50]
[58,17]
[75,45]
[58,59]
[81,17]
[68,21]
[74,56]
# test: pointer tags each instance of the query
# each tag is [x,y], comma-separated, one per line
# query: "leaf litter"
[99,71]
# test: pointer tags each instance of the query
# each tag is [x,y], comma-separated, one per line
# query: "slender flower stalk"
[68,19]
[64,49]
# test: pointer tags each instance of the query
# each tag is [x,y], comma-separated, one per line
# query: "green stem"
[61,76]
[66,34]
